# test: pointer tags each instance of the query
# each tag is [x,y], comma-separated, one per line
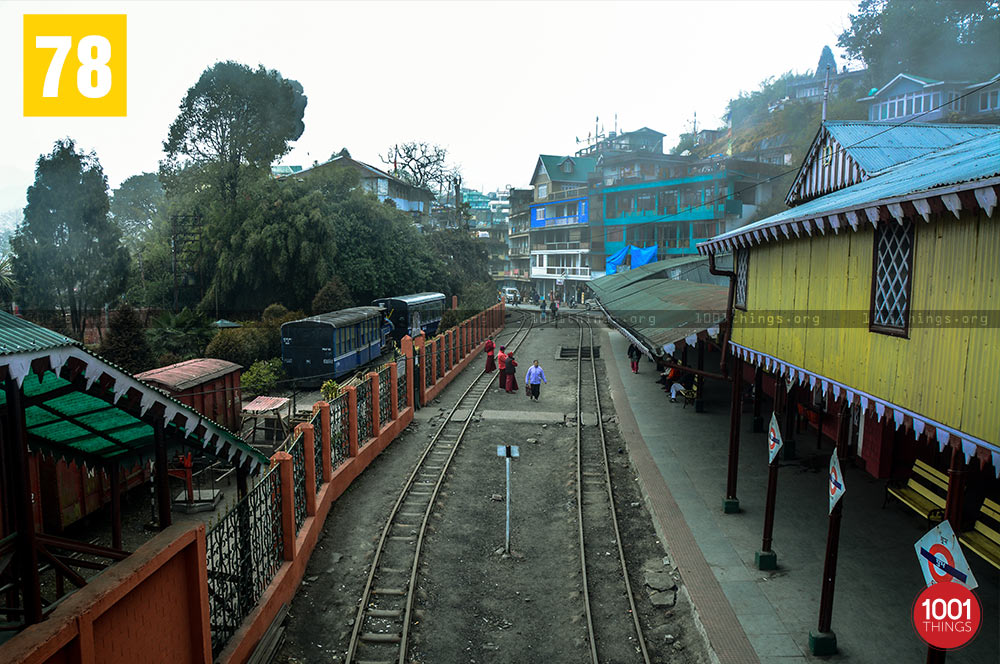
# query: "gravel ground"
[474,604]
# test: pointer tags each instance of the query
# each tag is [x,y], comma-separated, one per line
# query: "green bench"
[984,538]
[924,492]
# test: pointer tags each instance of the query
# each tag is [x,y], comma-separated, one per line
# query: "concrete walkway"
[752,616]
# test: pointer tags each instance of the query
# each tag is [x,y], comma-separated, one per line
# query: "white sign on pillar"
[774,441]
[836,481]
[941,558]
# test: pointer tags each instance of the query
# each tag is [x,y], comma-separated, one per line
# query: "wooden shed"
[210,386]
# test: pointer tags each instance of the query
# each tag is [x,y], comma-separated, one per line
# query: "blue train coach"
[330,345]
[409,314]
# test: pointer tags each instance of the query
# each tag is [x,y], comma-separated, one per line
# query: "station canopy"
[80,407]
[661,306]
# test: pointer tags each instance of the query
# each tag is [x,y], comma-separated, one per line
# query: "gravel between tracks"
[473,604]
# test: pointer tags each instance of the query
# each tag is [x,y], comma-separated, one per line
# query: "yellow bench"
[984,538]
[924,492]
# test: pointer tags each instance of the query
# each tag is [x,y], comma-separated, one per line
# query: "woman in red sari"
[491,365]
[511,374]
[502,363]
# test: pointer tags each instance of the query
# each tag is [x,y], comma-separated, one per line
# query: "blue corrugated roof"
[876,146]
[970,161]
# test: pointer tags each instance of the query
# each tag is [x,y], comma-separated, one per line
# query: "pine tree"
[125,343]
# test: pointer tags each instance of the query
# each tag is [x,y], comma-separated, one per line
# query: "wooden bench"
[924,492]
[689,395]
[984,538]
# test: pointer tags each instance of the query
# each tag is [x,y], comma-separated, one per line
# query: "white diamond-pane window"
[742,261]
[893,268]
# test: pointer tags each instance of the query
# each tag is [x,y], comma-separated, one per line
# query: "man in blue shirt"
[534,379]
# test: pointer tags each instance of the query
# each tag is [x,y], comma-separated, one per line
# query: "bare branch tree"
[420,163]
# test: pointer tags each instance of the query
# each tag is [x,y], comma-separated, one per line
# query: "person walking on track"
[502,363]
[533,380]
[634,355]
[555,312]
[511,371]
[491,365]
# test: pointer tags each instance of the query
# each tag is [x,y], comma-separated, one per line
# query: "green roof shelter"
[59,399]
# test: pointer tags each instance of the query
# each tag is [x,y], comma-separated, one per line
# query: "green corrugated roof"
[20,336]
[582,167]
[74,415]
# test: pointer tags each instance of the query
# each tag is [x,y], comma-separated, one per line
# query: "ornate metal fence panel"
[384,395]
[244,552]
[317,423]
[297,450]
[364,392]
[404,398]
[428,373]
[340,443]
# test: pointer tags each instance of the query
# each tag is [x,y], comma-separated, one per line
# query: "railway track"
[382,624]
[606,589]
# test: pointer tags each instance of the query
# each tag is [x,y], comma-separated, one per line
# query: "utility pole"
[826,91]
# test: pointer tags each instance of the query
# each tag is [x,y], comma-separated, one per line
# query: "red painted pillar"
[454,346]
[284,461]
[393,391]
[454,302]
[325,439]
[376,425]
[421,377]
[309,449]
[352,421]
[406,345]
[432,355]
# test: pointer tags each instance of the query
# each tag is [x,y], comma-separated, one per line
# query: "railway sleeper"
[376,637]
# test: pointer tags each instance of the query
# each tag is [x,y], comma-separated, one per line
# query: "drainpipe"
[728,323]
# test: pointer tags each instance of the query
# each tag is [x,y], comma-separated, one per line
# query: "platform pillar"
[284,461]
[758,397]
[162,478]
[731,504]
[699,403]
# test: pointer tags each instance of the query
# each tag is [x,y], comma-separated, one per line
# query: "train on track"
[337,343]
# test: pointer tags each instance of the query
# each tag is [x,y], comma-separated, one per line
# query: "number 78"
[93,78]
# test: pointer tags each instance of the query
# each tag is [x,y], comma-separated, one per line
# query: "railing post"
[394,391]
[376,425]
[325,437]
[432,356]
[406,345]
[309,456]
[352,421]
[421,377]
[284,460]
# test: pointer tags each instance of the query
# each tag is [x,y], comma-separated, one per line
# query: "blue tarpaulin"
[642,256]
[612,263]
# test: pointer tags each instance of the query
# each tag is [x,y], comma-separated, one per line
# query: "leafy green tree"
[235,116]
[332,296]
[68,254]
[457,259]
[262,377]
[7,282]
[183,334]
[125,342]
[135,205]
[242,345]
[935,38]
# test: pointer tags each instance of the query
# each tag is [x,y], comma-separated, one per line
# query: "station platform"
[752,616]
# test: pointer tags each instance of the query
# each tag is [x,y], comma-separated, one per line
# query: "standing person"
[634,355]
[534,379]
[490,363]
[510,370]
[555,312]
[502,363]
[542,307]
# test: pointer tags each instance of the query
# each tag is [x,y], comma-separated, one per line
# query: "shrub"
[330,389]
[273,312]
[451,318]
[125,343]
[242,345]
[262,377]
[332,296]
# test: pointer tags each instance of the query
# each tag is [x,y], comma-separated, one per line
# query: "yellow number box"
[74,65]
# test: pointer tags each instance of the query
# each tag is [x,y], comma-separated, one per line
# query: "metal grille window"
[317,424]
[742,266]
[243,553]
[297,451]
[339,442]
[891,275]
[364,392]
[401,388]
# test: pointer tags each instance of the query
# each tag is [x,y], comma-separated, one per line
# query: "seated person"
[675,381]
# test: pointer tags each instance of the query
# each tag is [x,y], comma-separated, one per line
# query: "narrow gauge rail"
[383,622]
[604,599]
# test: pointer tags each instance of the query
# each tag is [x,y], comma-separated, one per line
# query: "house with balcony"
[518,273]
[915,98]
[559,231]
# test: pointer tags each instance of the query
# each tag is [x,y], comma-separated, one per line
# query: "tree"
[235,116]
[68,253]
[184,334]
[935,38]
[135,205]
[419,163]
[125,343]
[332,296]
[7,282]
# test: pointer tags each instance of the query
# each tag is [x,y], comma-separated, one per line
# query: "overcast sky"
[495,83]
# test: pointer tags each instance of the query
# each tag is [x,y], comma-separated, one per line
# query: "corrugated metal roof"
[265,404]
[582,167]
[665,311]
[877,146]
[604,286]
[18,335]
[971,161]
[188,373]
[341,317]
